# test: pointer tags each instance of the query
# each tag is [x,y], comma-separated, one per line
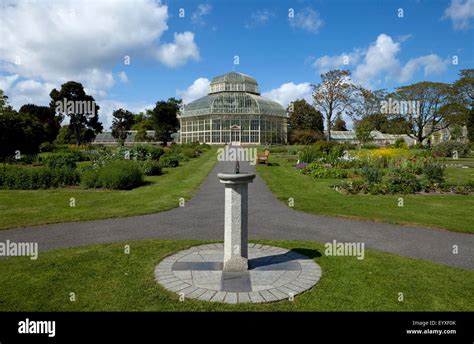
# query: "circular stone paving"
[274,274]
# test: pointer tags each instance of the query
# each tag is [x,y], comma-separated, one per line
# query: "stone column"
[236,220]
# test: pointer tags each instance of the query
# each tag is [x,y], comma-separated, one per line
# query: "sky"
[132,53]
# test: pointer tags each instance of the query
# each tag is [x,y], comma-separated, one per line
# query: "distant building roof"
[107,138]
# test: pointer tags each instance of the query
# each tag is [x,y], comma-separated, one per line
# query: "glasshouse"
[233,112]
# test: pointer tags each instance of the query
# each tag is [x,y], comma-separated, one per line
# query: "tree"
[364,132]
[366,103]
[429,97]
[470,125]
[142,121]
[19,133]
[333,95]
[72,101]
[304,116]
[121,123]
[339,124]
[164,117]
[465,86]
[47,117]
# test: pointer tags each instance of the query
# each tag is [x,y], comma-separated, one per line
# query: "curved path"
[203,218]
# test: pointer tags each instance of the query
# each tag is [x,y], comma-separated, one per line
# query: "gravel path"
[203,218]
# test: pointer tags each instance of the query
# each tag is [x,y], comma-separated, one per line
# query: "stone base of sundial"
[273,274]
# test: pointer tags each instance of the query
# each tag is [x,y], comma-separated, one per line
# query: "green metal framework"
[233,111]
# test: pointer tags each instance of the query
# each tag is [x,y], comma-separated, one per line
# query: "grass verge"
[103,278]
[35,207]
[452,212]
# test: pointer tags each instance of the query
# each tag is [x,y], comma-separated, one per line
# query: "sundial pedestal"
[236,221]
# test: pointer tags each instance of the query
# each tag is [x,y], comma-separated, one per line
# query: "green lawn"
[34,207]
[452,212]
[103,278]
[459,176]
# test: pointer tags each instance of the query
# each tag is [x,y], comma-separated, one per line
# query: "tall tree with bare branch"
[333,95]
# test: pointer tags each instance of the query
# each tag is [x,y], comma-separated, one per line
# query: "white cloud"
[123,77]
[30,91]
[460,12]
[431,64]
[379,63]
[7,81]
[61,40]
[259,18]
[84,41]
[198,89]
[326,63]
[289,92]
[198,16]
[380,59]
[178,52]
[307,19]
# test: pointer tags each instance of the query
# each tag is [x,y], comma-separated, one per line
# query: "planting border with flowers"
[379,171]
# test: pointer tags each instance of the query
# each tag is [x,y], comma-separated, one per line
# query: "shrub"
[151,168]
[330,148]
[402,181]
[369,146]
[319,169]
[400,143]
[169,161]
[309,154]
[155,152]
[304,136]
[121,175]
[60,160]
[37,178]
[434,172]
[371,174]
[189,152]
[46,147]
[447,149]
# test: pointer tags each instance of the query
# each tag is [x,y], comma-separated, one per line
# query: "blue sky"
[173,55]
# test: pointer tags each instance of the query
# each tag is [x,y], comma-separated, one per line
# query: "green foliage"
[151,168]
[400,143]
[470,125]
[19,132]
[121,175]
[18,178]
[60,160]
[319,169]
[122,121]
[164,118]
[304,136]
[47,147]
[189,152]
[47,117]
[369,146]
[447,148]
[305,117]
[364,132]
[169,160]
[321,149]
[371,174]
[83,125]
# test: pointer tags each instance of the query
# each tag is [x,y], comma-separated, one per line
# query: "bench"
[263,157]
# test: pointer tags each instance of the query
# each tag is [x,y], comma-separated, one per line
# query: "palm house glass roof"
[233,93]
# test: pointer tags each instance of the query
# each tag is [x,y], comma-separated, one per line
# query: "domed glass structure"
[233,112]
